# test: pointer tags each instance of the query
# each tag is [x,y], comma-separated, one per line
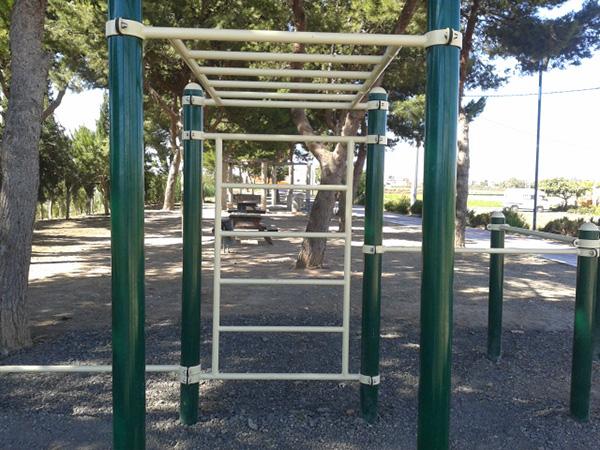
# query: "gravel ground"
[520,402]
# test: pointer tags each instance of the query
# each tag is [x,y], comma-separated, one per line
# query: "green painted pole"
[371,299]
[127,230]
[439,187]
[596,325]
[192,253]
[585,296]
[494,343]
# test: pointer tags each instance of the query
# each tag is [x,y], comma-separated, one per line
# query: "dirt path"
[518,403]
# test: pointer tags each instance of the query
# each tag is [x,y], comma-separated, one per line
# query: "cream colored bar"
[347,257]
[283,281]
[76,368]
[216,314]
[501,251]
[296,73]
[386,60]
[237,84]
[283,104]
[284,57]
[195,68]
[290,37]
[540,234]
[280,376]
[280,329]
[282,137]
[284,95]
[300,187]
[284,234]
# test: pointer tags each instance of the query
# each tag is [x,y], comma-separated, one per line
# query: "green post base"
[585,296]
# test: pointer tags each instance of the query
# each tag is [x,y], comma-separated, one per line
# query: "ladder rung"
[279,376]
[284,234]
[279,329]
[284,281]
[312,187]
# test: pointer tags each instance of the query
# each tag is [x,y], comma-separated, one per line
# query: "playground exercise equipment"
[126,33]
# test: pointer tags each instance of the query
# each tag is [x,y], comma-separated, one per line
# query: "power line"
[566,91]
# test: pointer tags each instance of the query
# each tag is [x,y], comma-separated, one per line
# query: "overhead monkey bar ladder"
[358,82]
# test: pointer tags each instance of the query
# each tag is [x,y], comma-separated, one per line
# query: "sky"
[502,138]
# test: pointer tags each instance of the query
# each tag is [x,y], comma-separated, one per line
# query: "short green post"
[371,299]
[596,325]
[494,342]
[192,248]
[585,296]
[127,229]
[439,187]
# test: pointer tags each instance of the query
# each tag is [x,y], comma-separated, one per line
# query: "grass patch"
[481,203]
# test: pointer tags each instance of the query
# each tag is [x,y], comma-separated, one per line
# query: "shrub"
[514,219]
[416,208]
[482,220]
[400,205]
[593,210]
[564,226]
[478,220]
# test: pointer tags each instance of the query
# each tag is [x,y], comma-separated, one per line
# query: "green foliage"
[515,183]
[408,119]
[478,220]
[399,205]
[564,226]
[592,210]
[361,190]
[565,188]
[416,208]
[482,220]
[56,162]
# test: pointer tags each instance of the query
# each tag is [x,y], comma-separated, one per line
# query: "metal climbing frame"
[126,33]
[218,281]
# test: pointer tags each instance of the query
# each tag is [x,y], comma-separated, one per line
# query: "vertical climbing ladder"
[219,281]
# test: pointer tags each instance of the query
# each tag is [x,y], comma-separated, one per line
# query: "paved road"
[479,238]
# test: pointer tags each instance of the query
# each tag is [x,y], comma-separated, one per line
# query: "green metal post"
[439,187]
[127,230]
[494,343]
[371,300]
[585,296]
[192,250]
[596,325]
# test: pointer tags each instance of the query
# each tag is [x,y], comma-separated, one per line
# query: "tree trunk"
[19,162]
[50,212]
[462,179]
[169,201]
[68,203]
[312,252]
[357,172]
[263,192]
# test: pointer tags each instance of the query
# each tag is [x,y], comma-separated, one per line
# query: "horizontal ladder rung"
[284,281]
[283,137]
[281,376]
[279,329]
[284,234]
[311,187]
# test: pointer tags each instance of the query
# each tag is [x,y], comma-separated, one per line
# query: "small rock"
[349,412]
[252,425]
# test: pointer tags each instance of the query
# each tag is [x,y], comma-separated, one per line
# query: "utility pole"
[542,65]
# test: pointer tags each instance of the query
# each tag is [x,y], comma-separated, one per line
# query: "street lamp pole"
[537,145]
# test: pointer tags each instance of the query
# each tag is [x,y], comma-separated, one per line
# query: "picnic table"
[246,216]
